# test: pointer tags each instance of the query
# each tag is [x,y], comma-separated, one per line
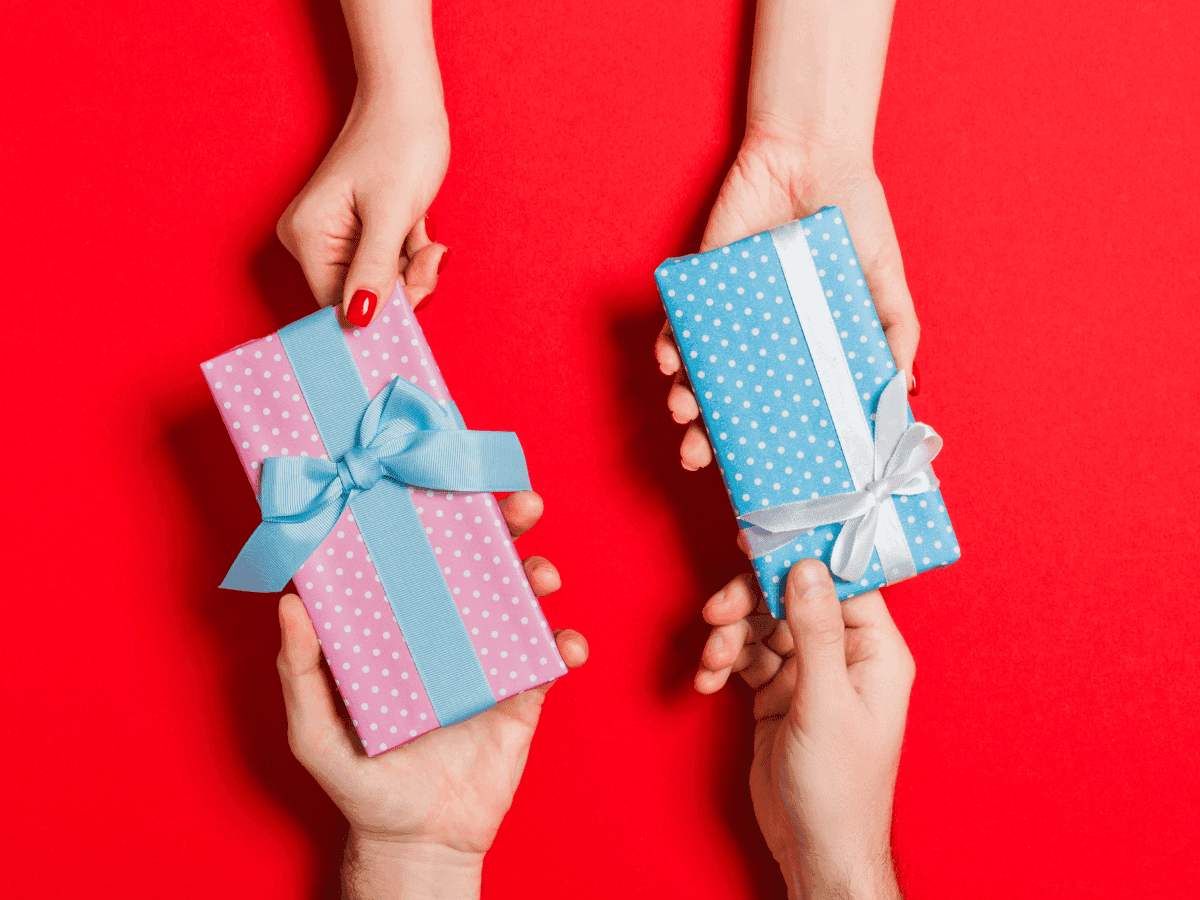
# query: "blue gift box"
[795,435]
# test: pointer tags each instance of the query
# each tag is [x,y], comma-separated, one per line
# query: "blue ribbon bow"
[404,435]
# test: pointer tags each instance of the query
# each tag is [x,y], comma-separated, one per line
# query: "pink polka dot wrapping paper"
[266,414]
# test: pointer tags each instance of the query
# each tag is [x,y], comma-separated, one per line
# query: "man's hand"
[833,683]
[422,815]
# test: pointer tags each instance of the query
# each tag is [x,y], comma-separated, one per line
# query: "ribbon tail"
[852,550]
[276,550]
[891,420]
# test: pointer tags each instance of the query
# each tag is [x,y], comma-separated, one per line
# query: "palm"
[765,187]
[767,803]
[452,786]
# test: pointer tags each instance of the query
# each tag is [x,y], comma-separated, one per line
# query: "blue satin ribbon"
[402,437]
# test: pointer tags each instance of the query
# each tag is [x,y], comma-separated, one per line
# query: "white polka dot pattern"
[266,415]
[760,398]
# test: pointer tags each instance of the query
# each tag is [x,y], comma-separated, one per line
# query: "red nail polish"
[362,308]
[442,261]
[916,385]
[424,301]
[430,226]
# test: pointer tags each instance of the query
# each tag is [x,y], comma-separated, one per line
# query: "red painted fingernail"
[916,385]
[362,308]
[442,261]
[424,301]
[430,226]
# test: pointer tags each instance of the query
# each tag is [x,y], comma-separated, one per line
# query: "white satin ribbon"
[895,462]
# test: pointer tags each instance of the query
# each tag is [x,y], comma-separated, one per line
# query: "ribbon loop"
[902,456]
[405,436]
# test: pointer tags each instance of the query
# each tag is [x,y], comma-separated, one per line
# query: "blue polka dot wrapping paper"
[746,318]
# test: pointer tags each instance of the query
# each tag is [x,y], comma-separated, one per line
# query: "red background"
[1039,161]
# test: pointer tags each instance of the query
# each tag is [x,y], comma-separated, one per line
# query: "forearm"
[817,70]
[390,870]
[393,51]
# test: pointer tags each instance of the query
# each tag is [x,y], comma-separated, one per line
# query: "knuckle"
[300,743]
[285,228]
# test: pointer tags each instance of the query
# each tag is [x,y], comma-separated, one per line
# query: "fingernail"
[362,308]
[430,226]
[814,582]
[916,385]
[442,261]
[424,301]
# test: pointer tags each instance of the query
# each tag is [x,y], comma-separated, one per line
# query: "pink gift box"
[266,414]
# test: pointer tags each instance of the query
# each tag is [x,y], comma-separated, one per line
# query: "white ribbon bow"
[902,458]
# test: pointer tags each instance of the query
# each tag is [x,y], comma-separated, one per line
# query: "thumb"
[376,265]
[874,236]
[814,617]
[311,711]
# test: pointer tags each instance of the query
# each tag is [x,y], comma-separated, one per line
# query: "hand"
[833,682]
[360,223]
[778,177]
[422,815]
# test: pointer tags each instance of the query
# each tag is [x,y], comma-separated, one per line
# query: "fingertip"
[733,602]
[743,542]
[808,578]
[543,576]
[708,681]
[521,511]
[682,404]
[667,354]
[694,450]
[809,587]
[572,647]
[299,648]
[291,612]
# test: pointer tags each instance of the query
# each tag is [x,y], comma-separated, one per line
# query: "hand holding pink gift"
[423,815]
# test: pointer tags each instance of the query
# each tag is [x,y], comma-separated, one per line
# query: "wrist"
[380,869]
[813,876]
[394,54]
[814,146]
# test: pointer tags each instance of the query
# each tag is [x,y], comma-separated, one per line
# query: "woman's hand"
[833,682]
[777,177]
[422,815]
[815,77]
[360,224]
